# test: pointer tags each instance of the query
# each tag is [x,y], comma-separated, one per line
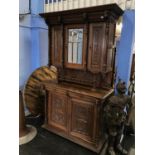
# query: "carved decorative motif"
[58,110]
[81,117]
[96,54]
[79,76]
[57,45]
[97,47]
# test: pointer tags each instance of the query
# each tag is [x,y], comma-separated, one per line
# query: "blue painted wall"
[23,6]
[39,41]
[33,39]
[37,6]
[24,49]
[124,48]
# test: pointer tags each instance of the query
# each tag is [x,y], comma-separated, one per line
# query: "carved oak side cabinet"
[81,48]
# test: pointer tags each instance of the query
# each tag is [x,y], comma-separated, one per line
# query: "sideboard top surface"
[97,93]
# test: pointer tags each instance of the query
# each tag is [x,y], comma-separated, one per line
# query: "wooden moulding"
[97,93]
[87,145]
[89,14]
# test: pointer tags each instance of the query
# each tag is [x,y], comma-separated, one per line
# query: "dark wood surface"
[90,14]
[56,46]
[97,93]
[97,47]
[98,24]
[75,112]
[96,69]
[74,105]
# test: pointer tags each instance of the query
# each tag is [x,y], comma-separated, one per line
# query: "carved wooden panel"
[76,114]
[97,47]
[57,110]
[82,118]
[78,76]
[57,45]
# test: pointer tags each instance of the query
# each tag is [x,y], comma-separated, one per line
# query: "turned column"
[22,127]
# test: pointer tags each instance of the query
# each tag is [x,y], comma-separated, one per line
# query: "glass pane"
[75,43]
[74,52]
[70,52]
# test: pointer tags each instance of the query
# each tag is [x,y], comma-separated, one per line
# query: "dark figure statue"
[115,118]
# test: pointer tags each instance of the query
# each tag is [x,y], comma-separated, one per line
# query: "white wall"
[24,49]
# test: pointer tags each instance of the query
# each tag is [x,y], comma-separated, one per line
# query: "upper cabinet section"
[81,44]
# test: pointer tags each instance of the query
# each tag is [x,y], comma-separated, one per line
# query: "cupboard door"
[97,47]
[57,111]
[57,46]
[82,118]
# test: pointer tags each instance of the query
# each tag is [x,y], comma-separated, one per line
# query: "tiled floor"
[47,143]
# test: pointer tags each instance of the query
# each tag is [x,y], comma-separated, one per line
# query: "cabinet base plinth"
[91,146]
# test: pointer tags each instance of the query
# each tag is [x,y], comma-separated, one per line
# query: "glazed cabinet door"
[97,47]
[82,117]
[57,111]
[56,45]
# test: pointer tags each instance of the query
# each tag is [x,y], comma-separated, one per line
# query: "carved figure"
[115,118]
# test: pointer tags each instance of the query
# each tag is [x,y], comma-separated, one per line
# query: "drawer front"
[57,110]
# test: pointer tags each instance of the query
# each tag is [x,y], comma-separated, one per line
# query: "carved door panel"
[57,46]
[82,118]
[57,111]
[97,47]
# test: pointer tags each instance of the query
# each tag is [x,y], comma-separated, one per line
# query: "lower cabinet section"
[75,116]
[82,117]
